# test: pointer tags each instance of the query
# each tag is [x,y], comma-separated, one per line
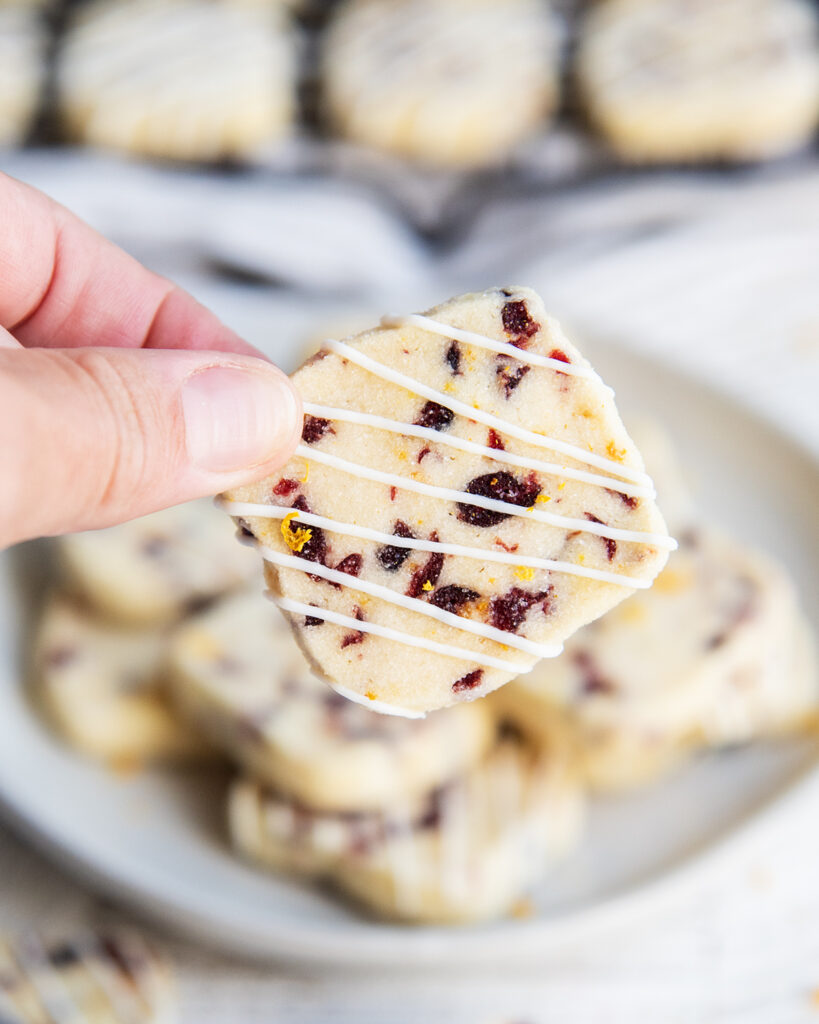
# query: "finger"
[89,437]
[62,286]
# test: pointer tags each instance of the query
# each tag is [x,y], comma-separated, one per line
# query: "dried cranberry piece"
[313,620]
[59,657]
[351,564]
[594,682]
[63,955]
[518,323]
[391,556]
[243,531]
[428,574]
[393,492]
[560,355]
[501,487]
[453,357]
[626,499]
[315,550]
[154,547]
[434,416]
[285,486]
[354,638]
[509,378]
[314,429]
[611,545]
[509,610]
[423,453]
[453,597]
[494,440]
[468,682]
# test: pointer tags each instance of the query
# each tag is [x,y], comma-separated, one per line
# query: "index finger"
[62,286]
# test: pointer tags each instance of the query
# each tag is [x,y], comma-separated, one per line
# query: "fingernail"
[236,418]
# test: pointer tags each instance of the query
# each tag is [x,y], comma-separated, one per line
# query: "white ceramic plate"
[157,840]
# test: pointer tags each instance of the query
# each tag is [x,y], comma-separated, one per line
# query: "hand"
[119,393]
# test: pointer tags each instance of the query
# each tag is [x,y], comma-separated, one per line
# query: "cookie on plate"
[22,69]
[95,977]
[467,852]
[154,569]
[716,653]
[680,80]
[178,79]
[464,498]
[455,83]
[238,676]
[101,687]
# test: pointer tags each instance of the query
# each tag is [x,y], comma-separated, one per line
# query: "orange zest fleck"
[296,538]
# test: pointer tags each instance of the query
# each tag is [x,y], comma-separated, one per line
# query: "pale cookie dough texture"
[157,568]
[101,687]
[93,977]
[467,852]
[22,69]
[680,80]
[447,82]
[464,498]
[178,79]
[716,653]
[240,679]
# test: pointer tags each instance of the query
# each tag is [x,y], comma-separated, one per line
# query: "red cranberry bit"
[314,429]
[626,499]
[286,487]
[560,355]
[393,492]
[351,565]
[428,574]
[313,620]
[391,556]
[506,547]
[59,657]
[453,597]
[453,358]
[501,487]
[468,682]
[243,531]
[358,635]
[508,611]
[518,323]
[611,545]
[494,441]
[63,956]
[509,378]
[315,550]
[594,682]
[154,547]
[423,453]
[434,416]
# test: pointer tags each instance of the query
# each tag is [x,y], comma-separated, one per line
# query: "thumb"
[94,436]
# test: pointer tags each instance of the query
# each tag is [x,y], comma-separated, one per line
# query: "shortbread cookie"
[467,852]
[464,498]
[715,653]
[101,687]
[94,977]
[154,569]
[240,678]
[178,79]
[449,82]
[22,69]
[670,80]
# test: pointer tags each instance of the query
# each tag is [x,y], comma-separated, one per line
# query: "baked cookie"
[22,69]
[467,852]
[239,677]
[715,653]
[178,79]
[154,569]
[101,687]
[95,977]
[464,498]
[454,83]
[678,80]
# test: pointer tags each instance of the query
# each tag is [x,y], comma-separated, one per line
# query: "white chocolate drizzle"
[492,504]
[387,373]
[496,454]
[408,639]
[247,508]
[412,604]
[374,705]
[481,341]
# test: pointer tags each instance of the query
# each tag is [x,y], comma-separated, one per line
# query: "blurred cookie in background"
[93,977]
[687,80]
[454,83]
[238,676]
[466,852]
[195,80]
[101,687]
[155,569]
[23,45]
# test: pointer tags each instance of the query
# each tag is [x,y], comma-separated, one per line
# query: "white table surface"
[721,279]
